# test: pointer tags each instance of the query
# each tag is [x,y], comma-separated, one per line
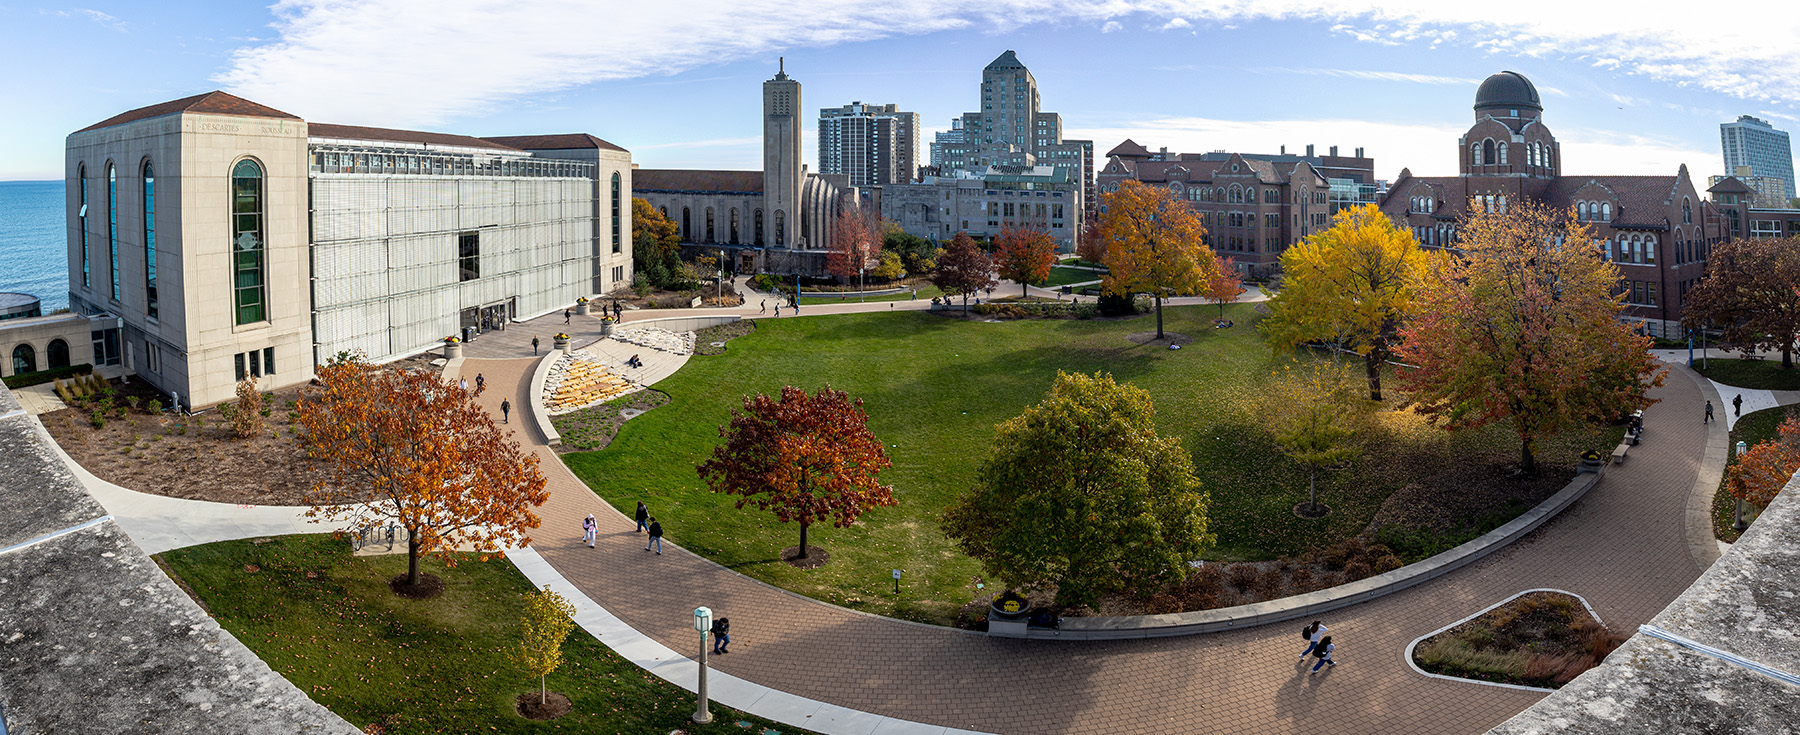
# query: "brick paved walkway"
[1622,547]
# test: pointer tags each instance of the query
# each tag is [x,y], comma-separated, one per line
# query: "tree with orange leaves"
[408,447]
[1092,245]
[963,268]
[1226,284]
[854,242]
[1524,328]
[1760,472]
[1153,244]
[809,458]
[1024,255]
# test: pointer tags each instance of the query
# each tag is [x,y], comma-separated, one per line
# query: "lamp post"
[702,623]
[1738,524]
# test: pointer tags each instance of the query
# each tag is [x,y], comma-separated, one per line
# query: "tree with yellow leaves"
[1314,415]
[546,624]
[1153,244]
[1352,285]
[407,447]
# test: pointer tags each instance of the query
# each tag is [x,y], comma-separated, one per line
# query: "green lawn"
[926,292]
[1754,428]
[433,666]
[1060,276]
[934,389]
[1763,374]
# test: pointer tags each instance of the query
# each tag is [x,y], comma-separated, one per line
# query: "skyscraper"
[1753,142]
[1011,130]
[871,144]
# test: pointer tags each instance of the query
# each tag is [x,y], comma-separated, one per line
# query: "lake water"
[34,241]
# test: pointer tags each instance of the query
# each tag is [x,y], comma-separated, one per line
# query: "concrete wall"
[39,332]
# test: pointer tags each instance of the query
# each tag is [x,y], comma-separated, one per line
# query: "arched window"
[149,240]
[780,227]
[1581,211]
[686,231]
[250,295]
[734,227]
[57,354]
[81,222]
[1687,211]
[618,213]
[665,212]
[1504,146]
[1475,154]
[1500,203]
[1250,195]
[758,239]
[1606,211]
[24,360]
[1219,194]
[112,226]
[709,225]
[1487,151]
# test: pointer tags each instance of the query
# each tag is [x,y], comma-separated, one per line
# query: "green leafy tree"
[546,624]
[1314,414]
[1749,293]
[655,244]
[917,254]
[1081,493]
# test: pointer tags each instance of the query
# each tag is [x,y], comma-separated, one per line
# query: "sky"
[1628,88]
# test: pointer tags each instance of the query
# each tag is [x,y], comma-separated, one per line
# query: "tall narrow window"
[734,226]
[249,296]
[149,240]
[1487,152]
[112,226]
[468,255]
[759,228]
[617,212]
[780,227]
[81,221]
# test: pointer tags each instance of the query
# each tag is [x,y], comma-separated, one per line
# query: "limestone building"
[779,219]
[227,239]
[936,207]
[1011,129]
[871,145]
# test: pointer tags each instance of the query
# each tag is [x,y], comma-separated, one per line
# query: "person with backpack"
[643,517]
[1322,652]
[1312,635]
[655,537]
[588,527]
[721,631]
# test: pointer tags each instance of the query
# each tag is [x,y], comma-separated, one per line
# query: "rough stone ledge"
[1315,603]
[94,638]
[1748,604]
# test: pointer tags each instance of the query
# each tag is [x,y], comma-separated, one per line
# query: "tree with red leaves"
[809,458]
[1024,255]
[1226,284]
[854,242]
[963,268]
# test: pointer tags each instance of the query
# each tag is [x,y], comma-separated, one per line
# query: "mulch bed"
[534,707]
[429,586]
[705,339]
[1449,501]
[194,457]
[815,557]
[592,429]
[1542,639]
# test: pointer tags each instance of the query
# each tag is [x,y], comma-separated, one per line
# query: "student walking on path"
[1312,634]
[1708,419]
[1322,652]
[1737,405]
[566,315]
[480,382]
[765,307]
[721,631]
[505,411]
[588,527]
[643,517]
[655,537]
[534,344]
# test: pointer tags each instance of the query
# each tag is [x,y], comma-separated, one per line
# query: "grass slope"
[1756,374]
[327,622]
[935,388]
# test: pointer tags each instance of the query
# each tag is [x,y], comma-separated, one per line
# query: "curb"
[1317,603]
[540,414]
[1407,655]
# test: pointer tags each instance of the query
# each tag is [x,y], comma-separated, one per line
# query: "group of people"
[646,523]
[793,306]
[1318,645]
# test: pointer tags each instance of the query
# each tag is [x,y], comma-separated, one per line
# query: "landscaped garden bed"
[1540,639]
[138,444]
[1752,428]
[594,427]
[935,388]
[327,622]
[711,340]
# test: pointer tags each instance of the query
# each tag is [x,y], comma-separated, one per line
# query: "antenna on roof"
[781,64]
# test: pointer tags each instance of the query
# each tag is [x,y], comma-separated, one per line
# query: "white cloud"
[410,62]
[1429,150]
[1177,23]
[1383,76]
[1111,25]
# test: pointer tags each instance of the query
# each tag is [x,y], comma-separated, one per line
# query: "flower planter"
[1008,613]
[563,345]
[582,308]
[453,350]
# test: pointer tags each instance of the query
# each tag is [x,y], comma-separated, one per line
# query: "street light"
[702,623]
[1738,524]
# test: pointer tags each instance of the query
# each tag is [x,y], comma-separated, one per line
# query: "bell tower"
[782,174]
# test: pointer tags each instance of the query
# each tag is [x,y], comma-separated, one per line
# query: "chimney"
[1359,152]
[1164,155]
[1334,151]
[1284,150]
[1309,150]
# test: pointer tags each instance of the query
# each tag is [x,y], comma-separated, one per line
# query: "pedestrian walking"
[505,411]
[721,631]
[618,311]
[643,517]
[765,307]
[655,537]
[534,344]
[1737,404]
[1322,652]
[1312,634]
[778,311]
[1708,419]
[566,315]
[588,527]
[480,382]
[463,383]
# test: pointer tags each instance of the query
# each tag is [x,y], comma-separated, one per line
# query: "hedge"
[44,376]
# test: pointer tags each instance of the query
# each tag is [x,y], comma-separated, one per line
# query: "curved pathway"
[1624,547]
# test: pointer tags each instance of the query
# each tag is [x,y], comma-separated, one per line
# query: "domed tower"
[1508,151]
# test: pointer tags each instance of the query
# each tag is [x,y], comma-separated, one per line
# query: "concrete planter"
[584,308]
[564,346]
[453,350]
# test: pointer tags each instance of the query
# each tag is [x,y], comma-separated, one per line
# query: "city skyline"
[1387,83]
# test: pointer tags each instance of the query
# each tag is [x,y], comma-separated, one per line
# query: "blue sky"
[678,82]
